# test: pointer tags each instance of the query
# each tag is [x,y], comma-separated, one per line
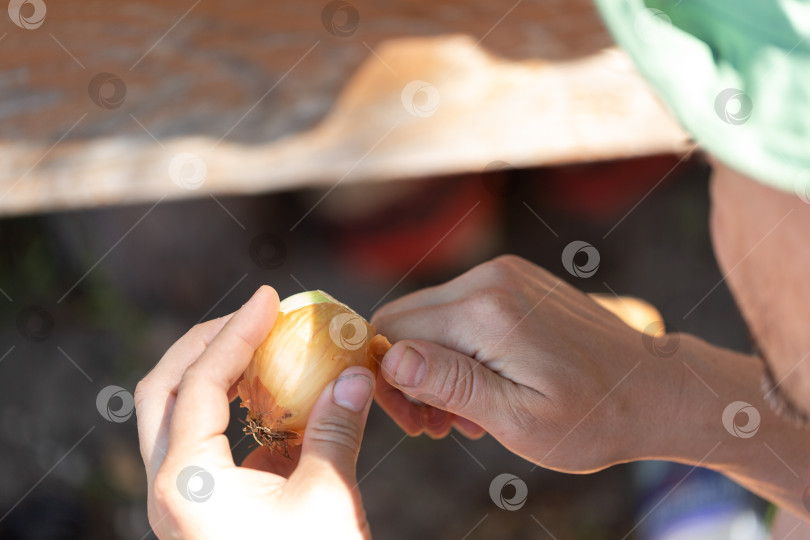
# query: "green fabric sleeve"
[736,74]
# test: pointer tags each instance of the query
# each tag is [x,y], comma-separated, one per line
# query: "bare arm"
[765,453]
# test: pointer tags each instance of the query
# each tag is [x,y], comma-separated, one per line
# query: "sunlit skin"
[769,282]
[183,410]
[768,277]
[560,381]
[508,349]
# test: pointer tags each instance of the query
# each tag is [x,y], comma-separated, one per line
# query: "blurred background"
[191,261]
[162,160]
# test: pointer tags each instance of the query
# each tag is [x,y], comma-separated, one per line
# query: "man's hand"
[565,384]
[196,490]
[542,367]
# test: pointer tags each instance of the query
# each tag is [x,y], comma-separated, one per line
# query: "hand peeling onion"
[314,339]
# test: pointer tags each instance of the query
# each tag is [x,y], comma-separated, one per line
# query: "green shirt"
[736,73]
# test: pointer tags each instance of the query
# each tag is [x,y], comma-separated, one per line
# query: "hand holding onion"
[183,409]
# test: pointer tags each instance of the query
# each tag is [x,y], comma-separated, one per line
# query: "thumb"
[335,425]
[454,382]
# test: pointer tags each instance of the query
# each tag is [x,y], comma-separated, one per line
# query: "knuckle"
[198,328]
[164,490]
[231,340]
[198,332]
[524,419]
[242,341]
[234,342]
[456,383]
[496,271]
[142,390]
[193,373]
[336,431]
[504,271]
[509,260]
[494,304]
[517,421]
[496,301]
[504,266]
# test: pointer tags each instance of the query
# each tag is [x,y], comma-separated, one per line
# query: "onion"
[314,339]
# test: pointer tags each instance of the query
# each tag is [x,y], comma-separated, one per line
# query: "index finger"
[155,394]
[450,325]
[497,272]
[429,296]
[201,412]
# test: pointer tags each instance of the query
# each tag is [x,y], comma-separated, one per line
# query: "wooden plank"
[109,103]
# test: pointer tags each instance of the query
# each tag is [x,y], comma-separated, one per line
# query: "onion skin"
[306,349]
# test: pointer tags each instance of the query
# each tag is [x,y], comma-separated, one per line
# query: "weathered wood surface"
[115,102]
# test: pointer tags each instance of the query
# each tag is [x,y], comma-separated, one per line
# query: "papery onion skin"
[307,348]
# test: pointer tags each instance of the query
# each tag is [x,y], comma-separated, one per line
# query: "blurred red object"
[416,227]
[605,191]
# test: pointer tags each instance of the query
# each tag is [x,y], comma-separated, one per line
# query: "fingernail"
[352,392]
[410,370]
[434,417]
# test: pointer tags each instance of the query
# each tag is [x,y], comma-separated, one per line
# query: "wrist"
[679,404]
[658,402]
[712,413]
[695,386]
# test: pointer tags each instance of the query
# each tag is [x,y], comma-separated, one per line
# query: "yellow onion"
[313,340]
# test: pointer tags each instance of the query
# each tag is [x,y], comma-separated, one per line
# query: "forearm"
[702,381]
